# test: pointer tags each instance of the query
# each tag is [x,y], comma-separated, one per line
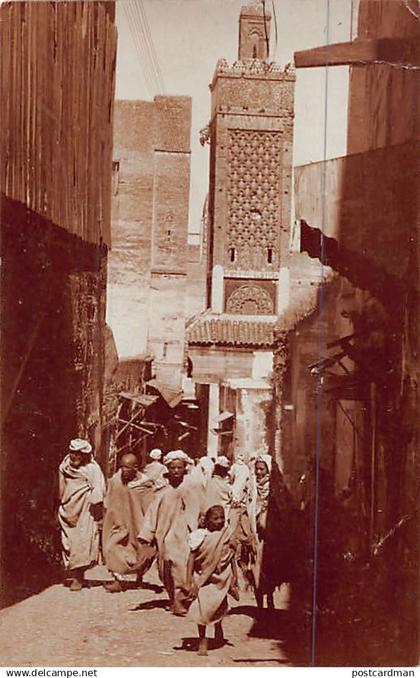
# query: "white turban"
[175,455]
[155,454]
[80,445]
[222,461]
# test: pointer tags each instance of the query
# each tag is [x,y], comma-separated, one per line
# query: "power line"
[152,50]
[134,31]
[143,42]
[143,37]
[267,39]
[275,26]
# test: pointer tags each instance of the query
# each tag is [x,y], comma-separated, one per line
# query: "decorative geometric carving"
[253,197]
[250,300]
[254,67]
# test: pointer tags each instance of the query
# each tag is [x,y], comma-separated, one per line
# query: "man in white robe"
[82,491]
[154,469]
[173,514]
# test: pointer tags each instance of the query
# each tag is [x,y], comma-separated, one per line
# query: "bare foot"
[113,586]
[76,585]
[202,647]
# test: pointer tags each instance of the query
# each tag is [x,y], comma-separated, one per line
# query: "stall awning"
[223,416]
[217,423]
[171,396]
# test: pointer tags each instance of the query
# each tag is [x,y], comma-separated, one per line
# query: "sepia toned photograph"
[209,334]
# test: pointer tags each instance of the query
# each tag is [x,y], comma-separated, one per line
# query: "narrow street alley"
[95,628]
[210,334]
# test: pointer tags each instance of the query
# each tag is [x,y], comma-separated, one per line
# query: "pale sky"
[191,35]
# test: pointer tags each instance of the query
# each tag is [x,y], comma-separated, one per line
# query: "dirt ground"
[92,627]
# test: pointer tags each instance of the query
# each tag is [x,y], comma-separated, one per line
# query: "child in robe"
[211,575]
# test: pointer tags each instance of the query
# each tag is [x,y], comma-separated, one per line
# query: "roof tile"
[207,330]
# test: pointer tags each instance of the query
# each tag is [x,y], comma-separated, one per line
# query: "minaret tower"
[254,32]
[251,138]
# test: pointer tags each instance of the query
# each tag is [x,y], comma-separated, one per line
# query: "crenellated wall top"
[254,68]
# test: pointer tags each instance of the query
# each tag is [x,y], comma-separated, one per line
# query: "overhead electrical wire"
[267,39]
[143,42]
[136,40]
[148,63]
[275,26]
[146,48]
[146,45]
[141,54]
[149,40]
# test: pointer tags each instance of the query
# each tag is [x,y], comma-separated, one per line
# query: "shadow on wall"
[349,624]
[52,306]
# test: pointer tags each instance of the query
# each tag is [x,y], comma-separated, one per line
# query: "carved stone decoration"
[250,300]
[205,135]
[253,197]
[254,67]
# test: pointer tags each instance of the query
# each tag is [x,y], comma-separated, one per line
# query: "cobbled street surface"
[58,627]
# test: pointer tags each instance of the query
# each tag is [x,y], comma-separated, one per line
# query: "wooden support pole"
[394,51]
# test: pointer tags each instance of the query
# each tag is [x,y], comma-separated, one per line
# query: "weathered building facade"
[148,263]
[197,267]
[347,375]
[251,140]
[56,149]
[150,267]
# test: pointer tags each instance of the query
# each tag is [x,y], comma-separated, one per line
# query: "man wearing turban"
[154,469]
[171,517]
[82,491]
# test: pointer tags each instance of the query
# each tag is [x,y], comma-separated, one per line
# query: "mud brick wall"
[149,259]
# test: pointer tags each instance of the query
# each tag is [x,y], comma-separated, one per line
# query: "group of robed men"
[197,521]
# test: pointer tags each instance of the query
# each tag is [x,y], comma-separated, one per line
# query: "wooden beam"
[136,426]
[394,51]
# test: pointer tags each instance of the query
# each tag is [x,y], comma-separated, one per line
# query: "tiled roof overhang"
[223,331]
